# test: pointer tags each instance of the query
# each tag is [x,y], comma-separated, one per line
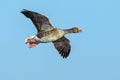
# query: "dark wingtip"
[27,13]
[24,10]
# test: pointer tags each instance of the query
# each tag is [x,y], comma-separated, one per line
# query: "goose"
[46,32]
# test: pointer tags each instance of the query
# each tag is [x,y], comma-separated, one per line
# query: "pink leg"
[32,45]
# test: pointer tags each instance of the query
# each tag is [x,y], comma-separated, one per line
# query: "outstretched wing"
[40,21]
[63,46]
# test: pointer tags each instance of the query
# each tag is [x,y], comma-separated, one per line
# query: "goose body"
[48,33]
[50,36]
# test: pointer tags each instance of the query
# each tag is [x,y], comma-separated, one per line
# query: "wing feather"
[63,46]
[40,21]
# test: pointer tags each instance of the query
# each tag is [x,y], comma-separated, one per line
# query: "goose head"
[73,30]
[76,30]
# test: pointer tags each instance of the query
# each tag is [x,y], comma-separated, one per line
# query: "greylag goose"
[48,33]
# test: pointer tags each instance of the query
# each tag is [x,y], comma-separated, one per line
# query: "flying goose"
[48,33]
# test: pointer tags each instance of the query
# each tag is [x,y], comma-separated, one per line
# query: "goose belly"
[51,37]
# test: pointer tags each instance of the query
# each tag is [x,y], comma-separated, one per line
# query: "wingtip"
[24,10]
[64,57]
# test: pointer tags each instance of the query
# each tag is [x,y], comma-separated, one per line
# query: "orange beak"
[79,30]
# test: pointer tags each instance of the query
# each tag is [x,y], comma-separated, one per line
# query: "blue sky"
[95,53]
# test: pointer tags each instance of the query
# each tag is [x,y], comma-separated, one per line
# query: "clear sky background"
[95,53]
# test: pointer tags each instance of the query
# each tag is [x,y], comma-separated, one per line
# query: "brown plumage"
[47,33]
[63,46]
